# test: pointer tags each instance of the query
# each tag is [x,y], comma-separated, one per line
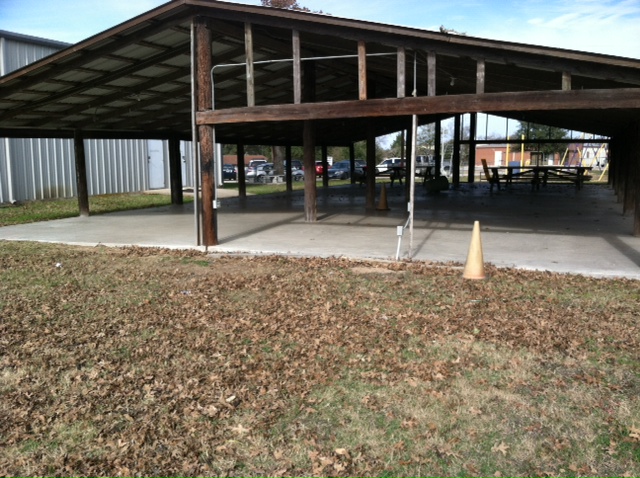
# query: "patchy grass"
[47,210]
[119,362]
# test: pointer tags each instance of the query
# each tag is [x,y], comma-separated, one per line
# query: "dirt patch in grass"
[149,362]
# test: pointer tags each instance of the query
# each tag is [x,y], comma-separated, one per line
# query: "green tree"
[426,139]
[543,137]
[360,150]
[286,4]
[396,148]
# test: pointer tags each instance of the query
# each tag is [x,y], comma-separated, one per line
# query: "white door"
[498,158]
[156,164]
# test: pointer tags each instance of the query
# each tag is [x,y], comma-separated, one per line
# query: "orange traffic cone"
[474,267]
[382,204]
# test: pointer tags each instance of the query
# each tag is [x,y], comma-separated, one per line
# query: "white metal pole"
[414,146]
[412,183]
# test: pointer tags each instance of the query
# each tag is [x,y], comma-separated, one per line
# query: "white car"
[389,163]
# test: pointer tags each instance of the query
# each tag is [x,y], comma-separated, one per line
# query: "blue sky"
[600,26]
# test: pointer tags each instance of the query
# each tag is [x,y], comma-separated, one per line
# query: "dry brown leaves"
[147,362]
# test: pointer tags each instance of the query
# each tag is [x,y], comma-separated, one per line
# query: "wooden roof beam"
[623,98]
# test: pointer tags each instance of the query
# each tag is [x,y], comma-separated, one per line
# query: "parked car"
[342,170]
[260,173]
[319,168]
[229,172]
[251,168]
[389,163]
[256,162]
[297,169]
[296,164]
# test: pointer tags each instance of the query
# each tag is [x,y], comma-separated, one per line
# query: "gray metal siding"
[41,168]
[32,169]
[116,166]
[17,54]
[186,152]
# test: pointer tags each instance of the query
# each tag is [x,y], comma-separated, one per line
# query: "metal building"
[36,168]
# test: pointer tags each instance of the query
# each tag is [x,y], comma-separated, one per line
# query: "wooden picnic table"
[543,174]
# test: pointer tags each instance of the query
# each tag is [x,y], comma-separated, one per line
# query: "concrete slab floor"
[557,228]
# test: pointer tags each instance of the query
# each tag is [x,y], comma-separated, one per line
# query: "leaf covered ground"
[141,362]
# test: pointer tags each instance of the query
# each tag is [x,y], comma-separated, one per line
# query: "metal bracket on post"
[400,232]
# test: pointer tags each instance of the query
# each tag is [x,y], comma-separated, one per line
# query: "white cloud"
[609,27]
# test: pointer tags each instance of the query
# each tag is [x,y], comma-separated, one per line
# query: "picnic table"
[542,174]
[394,172]
[399,172]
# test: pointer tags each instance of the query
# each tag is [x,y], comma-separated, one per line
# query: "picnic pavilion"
[215,72]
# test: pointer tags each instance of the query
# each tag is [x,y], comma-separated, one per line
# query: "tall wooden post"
[242,178]
[362,70]
[325,167]
[205,133]
[480,76]
[437,146]
[431,73]
[81,173]
[287,169]
[175,171]
[309,161]
[297,68]
[248,46]
[472,147]
[566,81]
[401,72]
[634,153]
[352,162]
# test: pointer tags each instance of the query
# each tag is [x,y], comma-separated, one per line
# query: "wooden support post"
[480,77]
[248,47]
[242,178]
[297,68]
[309,161]
[352,162]
[325,166]
[205,133]
[175,171]
[630,158]
[431,73]
[566,81]
[402,73]
[81,173]
[362,70]
[613,164]
[370,198]
[455,167]
[634,153]
[472,147]
[288,157]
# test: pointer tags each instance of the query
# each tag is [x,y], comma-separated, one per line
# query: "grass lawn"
[47,210]
[129,361]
